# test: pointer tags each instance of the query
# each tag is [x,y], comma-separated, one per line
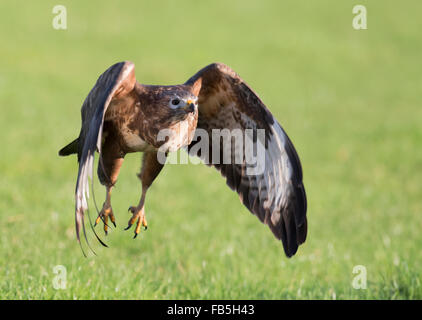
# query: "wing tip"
[291,247]
[291,228]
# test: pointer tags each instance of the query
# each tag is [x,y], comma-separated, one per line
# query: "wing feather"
[119,78]
[277,195]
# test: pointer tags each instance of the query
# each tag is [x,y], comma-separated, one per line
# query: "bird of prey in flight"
[121,115]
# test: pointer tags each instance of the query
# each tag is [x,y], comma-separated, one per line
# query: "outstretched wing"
[116,81]
[274,193]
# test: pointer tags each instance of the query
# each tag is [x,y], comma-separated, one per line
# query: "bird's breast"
[133,141]
[177,135]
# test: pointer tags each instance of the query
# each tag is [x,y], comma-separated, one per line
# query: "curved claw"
[131,221]
[112,219]
[128,227]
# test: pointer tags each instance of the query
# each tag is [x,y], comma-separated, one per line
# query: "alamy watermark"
[239,147]
[360,280]
[359,21]
[60,278]
[60,19]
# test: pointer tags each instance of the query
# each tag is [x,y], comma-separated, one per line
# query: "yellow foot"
[105,213]
[138,215]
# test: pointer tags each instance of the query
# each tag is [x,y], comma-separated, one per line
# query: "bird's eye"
[175,102]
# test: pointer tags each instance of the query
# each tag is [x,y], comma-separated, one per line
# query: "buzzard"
[121,116]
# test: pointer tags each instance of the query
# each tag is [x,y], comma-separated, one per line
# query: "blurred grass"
[350,100]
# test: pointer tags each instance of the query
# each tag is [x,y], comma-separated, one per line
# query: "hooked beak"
[190,106]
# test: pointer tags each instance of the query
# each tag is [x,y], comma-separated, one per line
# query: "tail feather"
[71,148]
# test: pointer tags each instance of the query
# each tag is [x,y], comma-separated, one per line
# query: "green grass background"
[350,100]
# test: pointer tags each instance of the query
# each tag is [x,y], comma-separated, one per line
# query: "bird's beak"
[190,106]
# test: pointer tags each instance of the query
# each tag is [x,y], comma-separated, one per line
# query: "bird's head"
[183,103]
[169,104]
[171,113]
[183,99]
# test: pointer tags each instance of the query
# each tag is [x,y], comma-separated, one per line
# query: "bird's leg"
[106,211]
[151,167]
[109,166]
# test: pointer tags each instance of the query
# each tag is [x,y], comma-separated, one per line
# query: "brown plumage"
[121,116]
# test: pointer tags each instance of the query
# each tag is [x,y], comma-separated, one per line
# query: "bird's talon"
[104,215]
[138,215]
